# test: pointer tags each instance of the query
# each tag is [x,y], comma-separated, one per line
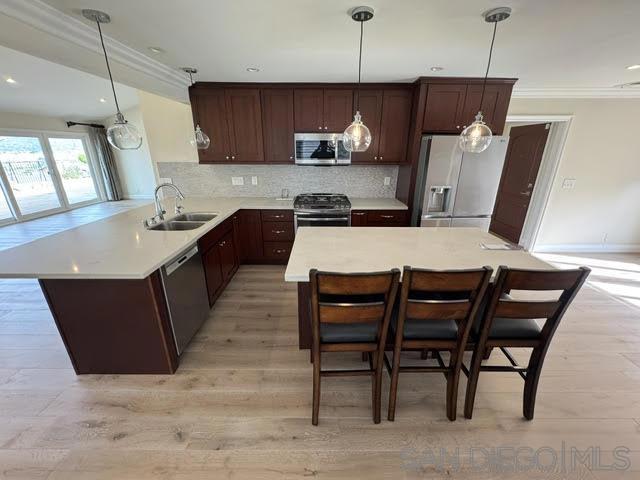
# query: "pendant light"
[122,134]
[357,136]
[202,140]
[477,137]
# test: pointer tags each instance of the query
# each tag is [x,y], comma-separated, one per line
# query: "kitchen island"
[104,282]
[368,249]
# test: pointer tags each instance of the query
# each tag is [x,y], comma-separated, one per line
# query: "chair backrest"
[353,298]
[429,295]
[566,283]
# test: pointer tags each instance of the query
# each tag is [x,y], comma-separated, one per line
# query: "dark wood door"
[394,129]
[524,154]
[338,109]
[249,236]
[494,105]
[210,112]
[213,272]
[277,125]
[444,107]
[227,256]
[371,111]
[245,124]
[358,218]
[308,109]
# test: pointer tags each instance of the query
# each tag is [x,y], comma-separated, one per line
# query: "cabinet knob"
[279,250]
[233,157]
[227,157]
[386,216]
[458,126]
[380,158]
[278,216]
[221,244]
[319,128]
[326,128]
[277,232]
[375,158]
[357,213]
[291,157]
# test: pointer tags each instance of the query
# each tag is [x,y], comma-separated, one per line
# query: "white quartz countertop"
[120,247]
[369,249]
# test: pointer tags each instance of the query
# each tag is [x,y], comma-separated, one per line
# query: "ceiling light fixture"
[633,67]
[202,140]
[10,80]
[477,137]
[437,69]
[103,100]
[122,134]
[156,50]
[253,69]
[357,137]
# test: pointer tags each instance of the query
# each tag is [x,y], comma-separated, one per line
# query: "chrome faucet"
[160,211]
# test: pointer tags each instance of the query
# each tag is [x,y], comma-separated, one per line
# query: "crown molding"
[52,21]
[605,92]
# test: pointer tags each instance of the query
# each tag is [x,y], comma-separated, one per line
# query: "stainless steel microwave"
[321,149]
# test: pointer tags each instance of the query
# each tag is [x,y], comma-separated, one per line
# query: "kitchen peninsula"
[378,249]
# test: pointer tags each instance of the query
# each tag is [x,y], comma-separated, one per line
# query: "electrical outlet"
[387,180]
[165,180]
[569,183]
[237,180]
[254,180]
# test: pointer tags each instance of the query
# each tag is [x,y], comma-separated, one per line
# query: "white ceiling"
[548,44]
[46,88]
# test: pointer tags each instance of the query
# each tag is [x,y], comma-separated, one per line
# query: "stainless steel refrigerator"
[457,189]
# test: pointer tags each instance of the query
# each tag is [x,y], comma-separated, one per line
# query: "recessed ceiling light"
[156,50]
[253,69]
[10,80]
[103,100]
[633,67]
[437,69]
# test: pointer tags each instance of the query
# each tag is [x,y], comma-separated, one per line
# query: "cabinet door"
[245,124]
[394,130]
[371,111]
[308,109]
[358,218]
[338,109]
[210,112]
[213,273]
[277,125]
[443,111]
[227,256]
[494,105]
[249,236]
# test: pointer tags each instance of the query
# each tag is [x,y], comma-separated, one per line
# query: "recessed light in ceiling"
[156,50]
[253,69]
[633,67]
[103,100]
[437,69]
[10,80]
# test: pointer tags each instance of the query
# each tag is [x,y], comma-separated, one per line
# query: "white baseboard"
[588,248]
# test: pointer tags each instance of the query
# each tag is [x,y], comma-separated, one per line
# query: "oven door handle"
[324,219]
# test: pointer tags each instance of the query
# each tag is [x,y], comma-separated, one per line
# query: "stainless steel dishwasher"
[185,289]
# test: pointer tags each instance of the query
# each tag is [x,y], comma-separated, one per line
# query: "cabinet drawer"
[387,217]
[277,250]
[277,215]
[277,231]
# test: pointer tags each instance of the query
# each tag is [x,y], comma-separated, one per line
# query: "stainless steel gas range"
[322,210]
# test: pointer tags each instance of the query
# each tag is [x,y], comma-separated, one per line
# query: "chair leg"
[393,391]
[453,380]
[316,388]
[531,382]
[376,387]
[424,354]
[365,357]
[472,382]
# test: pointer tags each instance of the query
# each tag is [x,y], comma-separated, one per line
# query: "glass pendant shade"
[123,135]
[476,137]
[356,137]
[202,139]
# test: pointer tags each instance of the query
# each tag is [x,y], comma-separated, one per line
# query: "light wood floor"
[240,404]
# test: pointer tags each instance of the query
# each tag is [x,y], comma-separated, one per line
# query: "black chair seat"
[426,329]
[348,332]
[511,328]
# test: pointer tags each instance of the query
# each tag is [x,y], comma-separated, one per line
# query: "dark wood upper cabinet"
[444,108]
[494,105]
[210,112]
[278,125]
[308,109]
[371,111]
[245,124]
[395,125]
[338,109]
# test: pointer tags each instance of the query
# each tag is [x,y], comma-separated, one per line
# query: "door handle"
[526,194]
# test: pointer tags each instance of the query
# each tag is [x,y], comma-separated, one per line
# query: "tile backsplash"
[215,180]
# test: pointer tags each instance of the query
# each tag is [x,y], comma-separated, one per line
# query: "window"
[43,173]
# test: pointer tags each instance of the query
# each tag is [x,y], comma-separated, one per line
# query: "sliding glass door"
[44,173]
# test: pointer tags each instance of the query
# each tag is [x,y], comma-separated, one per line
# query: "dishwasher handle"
[173,266]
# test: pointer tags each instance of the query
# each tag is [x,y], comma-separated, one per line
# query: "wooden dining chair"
[510,322]
[436,310]
[350,312]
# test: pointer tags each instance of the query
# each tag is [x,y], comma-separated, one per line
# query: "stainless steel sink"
[195,217]
[173,225]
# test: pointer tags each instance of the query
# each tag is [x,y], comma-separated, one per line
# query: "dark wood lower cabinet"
[249,236]
[379,218]
[213,273]
[219,257]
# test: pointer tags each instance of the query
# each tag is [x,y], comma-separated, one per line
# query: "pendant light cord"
[486,74]
[106,59]
[359,66]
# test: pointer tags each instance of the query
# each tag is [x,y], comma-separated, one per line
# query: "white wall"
[24,121]
[602,212]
